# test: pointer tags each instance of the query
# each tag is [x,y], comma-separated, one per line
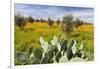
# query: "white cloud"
[54,12]
[86,15]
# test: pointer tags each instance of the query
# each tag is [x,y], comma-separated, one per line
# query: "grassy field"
[29,37]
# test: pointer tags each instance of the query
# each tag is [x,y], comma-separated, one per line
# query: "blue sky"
[54,12]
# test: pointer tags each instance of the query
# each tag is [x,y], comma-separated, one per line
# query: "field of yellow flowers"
[86,28]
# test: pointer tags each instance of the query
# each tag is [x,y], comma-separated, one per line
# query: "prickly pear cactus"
[54,52]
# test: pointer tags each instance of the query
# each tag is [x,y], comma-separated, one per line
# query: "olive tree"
[30,19]
[58,21]
[50,21]
[78,22]
[20,21]
[67,23]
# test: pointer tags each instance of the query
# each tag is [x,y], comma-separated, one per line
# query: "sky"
[54,12]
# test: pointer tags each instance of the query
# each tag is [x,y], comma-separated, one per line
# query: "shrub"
[67,23]
[30,19]
[37,20]
[20,21]
[78,22]
[54,52]
[50,22]
[58,21]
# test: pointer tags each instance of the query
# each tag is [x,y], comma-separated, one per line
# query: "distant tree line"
[67,23]
[21,21]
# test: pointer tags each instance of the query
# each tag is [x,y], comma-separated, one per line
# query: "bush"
[67,23]
[78,22]
[58,21]
[20,21]
[50,22]
[37,20]
[42,20]
[30,19]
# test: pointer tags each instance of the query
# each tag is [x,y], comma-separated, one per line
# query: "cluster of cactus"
[57,51]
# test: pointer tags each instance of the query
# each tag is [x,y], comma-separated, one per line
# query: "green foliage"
[37,20]
[78,22]
[21,57]
[67,53]
[49,54]
[50,22]
[64,46]
[58,56]
[30,50]
[30,19]
[68,18]
[42,20]
[20,21]
[77,59]
[67,23]
[38,54]
[58,21]
[36,62]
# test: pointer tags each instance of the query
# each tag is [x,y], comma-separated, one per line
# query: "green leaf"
[79,53]
[81,46]
[69,51]
[58,56]
[45,47]
[58,46]
[44,60]
[76,59]
[41,40]
[64,45]
[54,41]
[38,54]
[30,50]
[50,60]
[31,56]
[74,47]
[63,59]
[49,55]
[36,61]
[20,56]
[55,50]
